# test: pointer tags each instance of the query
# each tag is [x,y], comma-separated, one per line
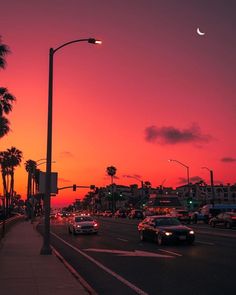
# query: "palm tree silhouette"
[6,98]
[13,158]
[4,50]
[111,171]
[4,126]
[30,167]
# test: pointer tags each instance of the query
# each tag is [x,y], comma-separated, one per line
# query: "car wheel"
[159,239]
[141,236]
[227,225]
[212,224]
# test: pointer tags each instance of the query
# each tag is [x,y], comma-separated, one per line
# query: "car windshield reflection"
[83,218]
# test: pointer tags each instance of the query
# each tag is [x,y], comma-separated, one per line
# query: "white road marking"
[170,252]
[135,253]
[118,277]
[123,240]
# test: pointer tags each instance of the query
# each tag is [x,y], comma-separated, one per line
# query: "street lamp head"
[94,41]
[170,160]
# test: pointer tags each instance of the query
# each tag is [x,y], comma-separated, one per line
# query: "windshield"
[83,218]
[167,221]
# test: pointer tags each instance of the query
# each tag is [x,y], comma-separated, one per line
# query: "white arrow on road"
[135,253]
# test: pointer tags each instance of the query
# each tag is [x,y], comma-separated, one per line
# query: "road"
[116,262]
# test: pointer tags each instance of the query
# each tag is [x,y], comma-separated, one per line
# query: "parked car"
[83,224]
[164,229]
[226,219]
[136,214]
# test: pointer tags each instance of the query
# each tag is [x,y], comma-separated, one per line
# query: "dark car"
[226,219]
[136,214]
[164,229]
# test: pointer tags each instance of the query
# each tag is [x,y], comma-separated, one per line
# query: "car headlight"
[168,233]
[191,232]
[78,225]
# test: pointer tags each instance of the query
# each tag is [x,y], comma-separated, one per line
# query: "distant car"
[164,229]
[182,215]
[226,219]
[83,224]
[107,213]
[197,216]
[121,213]
[136,214]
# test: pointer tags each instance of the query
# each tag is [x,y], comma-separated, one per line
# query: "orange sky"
[154,90]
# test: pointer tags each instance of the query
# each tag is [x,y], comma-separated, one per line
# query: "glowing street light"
[46,248]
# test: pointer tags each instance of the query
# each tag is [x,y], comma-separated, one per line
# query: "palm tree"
[30,167]
[15,157]
[4,50]
[4,126]
[111,171]
[6,100]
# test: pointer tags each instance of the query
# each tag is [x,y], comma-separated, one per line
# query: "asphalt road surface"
[116,262]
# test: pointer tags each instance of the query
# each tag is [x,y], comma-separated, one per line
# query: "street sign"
[42,181]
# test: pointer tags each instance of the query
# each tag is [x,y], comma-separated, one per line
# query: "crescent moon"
[200,33]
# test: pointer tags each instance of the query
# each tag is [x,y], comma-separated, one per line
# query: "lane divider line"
[170,252]
[106,269]
[123,240]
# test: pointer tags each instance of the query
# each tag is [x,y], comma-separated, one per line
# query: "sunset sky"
[154,89]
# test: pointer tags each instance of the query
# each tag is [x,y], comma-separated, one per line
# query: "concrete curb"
[78,277]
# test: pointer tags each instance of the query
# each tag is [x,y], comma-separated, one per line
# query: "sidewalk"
[24,271]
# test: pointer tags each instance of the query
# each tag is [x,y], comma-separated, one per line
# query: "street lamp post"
[46,248]
[187,168]
[212,184]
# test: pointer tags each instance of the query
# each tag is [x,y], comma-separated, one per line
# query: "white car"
[83,224]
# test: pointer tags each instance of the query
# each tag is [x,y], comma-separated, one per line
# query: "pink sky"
[154,90]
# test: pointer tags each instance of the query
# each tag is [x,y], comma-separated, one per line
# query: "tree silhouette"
[4,50]
[111,171]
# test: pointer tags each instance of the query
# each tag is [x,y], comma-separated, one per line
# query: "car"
[164,229]
[226,219]
[83,224]
[120,213]
[136,214]
[107,213]
[181,214]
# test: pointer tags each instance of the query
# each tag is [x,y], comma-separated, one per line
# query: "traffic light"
[190,200]
[74,187]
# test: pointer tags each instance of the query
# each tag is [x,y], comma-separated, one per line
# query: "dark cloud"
[228,160]
[172,135]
